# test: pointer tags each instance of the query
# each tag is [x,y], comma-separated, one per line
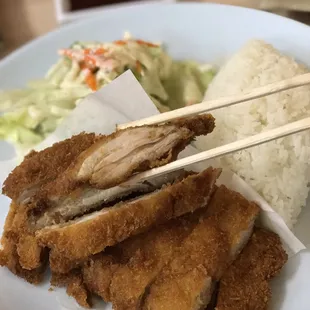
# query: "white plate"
[203,32]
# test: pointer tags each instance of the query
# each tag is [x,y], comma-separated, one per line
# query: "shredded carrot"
[120,42]
[91,81]
[138,66]
[87,51]
[100,51]
[149,44]
[90,60]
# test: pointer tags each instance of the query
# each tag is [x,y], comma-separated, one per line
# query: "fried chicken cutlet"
[23,256]
[244,286]
[176,251]
[40,168]
[91,234]
[98,269]
[153,247]
[128,267]
[100,163]
[10,253]
[59,184]
[73,281]
[188,280]
[157,247]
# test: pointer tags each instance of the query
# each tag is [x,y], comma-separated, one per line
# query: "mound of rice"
[278,170]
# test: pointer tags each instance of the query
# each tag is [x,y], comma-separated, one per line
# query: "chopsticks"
[207,106]
[245,143]
[248,142]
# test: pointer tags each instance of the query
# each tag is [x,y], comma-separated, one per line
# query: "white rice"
[278,170]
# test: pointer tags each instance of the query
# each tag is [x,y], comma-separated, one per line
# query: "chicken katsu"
[100,162]
[109,226]
[164,243]
[131,279]
[11,255]
[78,180]
[244,284]
[40,168]
[131,264]
[188,280]
[177,265]
[75,287]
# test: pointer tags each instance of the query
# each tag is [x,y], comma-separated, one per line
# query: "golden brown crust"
[199,124]
[98,273]
[157,247]
[99,269]
[80,240]
[29,252]
[9,255]
[8,224]
[52,172]
[180,283]
[20,250]
[187,281]
[73,281]
[6,241]
[39,168]
[244,285]
[234,223]
[77,290]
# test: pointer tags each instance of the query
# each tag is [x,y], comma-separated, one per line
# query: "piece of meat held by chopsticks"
[41,168]
[244,286]
[188,280]
[112,159]
[61,183]
[24,256]
[90,234]
[100,162]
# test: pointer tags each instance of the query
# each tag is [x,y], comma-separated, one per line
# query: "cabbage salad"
[29,115]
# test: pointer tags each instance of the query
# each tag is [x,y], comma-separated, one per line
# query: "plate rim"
[114,8]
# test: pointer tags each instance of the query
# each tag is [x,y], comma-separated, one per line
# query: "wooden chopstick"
[207,106]
[260,138]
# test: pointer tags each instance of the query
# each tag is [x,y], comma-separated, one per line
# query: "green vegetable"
[29,115]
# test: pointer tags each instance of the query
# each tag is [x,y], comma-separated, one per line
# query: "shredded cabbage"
[28,115]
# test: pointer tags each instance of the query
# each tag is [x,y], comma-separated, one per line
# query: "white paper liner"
[124,100]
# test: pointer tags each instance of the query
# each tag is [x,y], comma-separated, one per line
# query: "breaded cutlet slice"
[44,178]
[99,269]
[77,240]
[157,247]
[98,273]
[39,168]
[245,284]
[10,256]
[188,280]
[73,281]
[133,260]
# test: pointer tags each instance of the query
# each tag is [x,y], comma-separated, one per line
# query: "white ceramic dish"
[208,33]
